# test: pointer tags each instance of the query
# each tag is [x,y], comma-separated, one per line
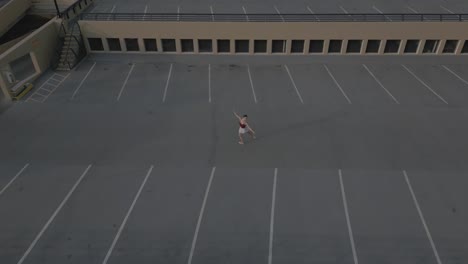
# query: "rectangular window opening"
[354,46]
[278,46]
[411,46]
[95,44]
[150,45]
[316,46]
[430,46]
[260,46]
[373,46]
[132,44]
[242,46]
[297,46]
[335,46]
[168,45]
[450,46]
[392,46]
[114,44]
[465,47]
[187,45]
[205,45]
[224,45]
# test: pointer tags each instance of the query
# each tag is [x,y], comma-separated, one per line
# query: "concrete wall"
[279,31]
[40,45]
[11,13]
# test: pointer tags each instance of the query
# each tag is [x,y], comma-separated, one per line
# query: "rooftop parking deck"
[135,158]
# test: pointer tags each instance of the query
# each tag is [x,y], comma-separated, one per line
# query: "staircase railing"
[59,46]
[81,52]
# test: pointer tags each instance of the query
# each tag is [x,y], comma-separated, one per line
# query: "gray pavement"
[367,216]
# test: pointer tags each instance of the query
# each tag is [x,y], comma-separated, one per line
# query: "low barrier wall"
[362,38]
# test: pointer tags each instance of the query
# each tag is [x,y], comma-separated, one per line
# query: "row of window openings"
[279,46]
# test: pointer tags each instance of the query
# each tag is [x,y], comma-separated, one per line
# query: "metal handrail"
[222,17]
[65,13]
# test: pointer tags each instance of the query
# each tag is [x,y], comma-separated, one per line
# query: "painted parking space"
[359,85]
[274,86]
[404,86]
[236,228]
[28,203]
[386,226]
[163,222]
[145,85]
[230,85]
[449,86]
[102,85]
[188,85]
[84,229]
[441,196]
[314,229]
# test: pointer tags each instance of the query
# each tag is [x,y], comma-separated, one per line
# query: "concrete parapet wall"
[287,31]
[40,45]
[11,13]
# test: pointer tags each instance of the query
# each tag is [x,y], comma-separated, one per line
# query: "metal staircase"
[72,48]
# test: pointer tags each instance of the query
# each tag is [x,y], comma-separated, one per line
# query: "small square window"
[411,46]
[278,46]
[132,44]
[114,44]
[465,47]
[224,45]
[186,45]
[373,46]
[354,46]
[392,46]
[430,46]
[297,46]
[260,46]
[450,46]
[242,46]
[316,46]
[168,45]
[205,45]
[150,45]
[335,46]
[95,44]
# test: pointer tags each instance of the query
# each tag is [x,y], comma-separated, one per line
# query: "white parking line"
[245,12]
[344,10]
[178,13]
[200,216]
[456,75]
[337,84]
[167,83]
[82,81]
[212,13]
[381,85]
[251,84]
[423,83]
[446,9]
[313,13]
[44,228]
[209,83]
[412,9]
[421,216]
[294,83]
[272,217]
[112,10]
[13,179]
[348,221]
[125,82]
[378,10]
[116,238]
[146,9]
[277,11]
